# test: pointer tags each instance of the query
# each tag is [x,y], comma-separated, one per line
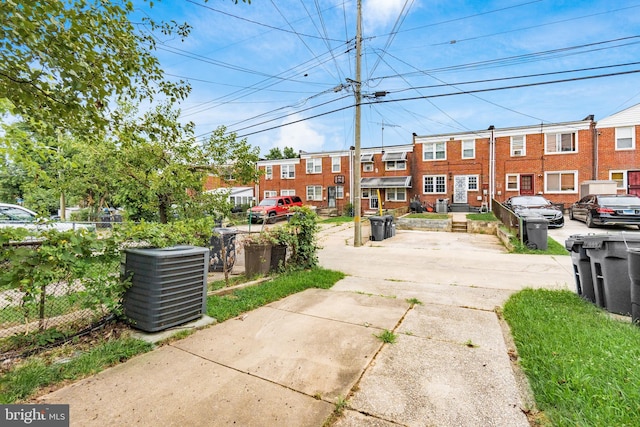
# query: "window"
[268,172]
[625,138]
[469,149]
[314,165]
[435,184]
[561,143]
[618,177]
[287,192]
[396,194]
[288,171]
[434,151]
[270,193]
[472,182]
[367,167]
[561,182]
[513,183]
[365,193]
[314,192]
[395,165]
[518,146]
[339,192]
[335,164]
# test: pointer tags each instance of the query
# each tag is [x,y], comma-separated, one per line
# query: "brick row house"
[468,168]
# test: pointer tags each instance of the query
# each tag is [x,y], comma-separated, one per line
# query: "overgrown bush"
[304,244]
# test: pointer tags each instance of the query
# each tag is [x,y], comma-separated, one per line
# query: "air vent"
[168,286]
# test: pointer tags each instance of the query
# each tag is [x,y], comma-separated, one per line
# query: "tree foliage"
[275,153]
[63,62]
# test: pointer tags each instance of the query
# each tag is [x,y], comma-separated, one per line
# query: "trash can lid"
[225,230]
[596,241]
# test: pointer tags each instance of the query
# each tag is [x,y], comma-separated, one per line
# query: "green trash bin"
[377,228]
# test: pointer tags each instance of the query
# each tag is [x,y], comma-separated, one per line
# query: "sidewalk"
[288,363]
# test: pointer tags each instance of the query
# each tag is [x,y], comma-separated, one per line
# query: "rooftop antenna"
[382,123]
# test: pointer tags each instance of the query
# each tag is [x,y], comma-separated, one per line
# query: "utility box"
[168,286]
[598,187]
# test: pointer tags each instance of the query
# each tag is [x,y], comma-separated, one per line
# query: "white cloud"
[299,136]
[379,13]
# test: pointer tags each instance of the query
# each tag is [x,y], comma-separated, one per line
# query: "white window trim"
[287,192]
[477,177]
[434,184]
[366,192]
[268,172]
[339,191]
[395,163]
[395,191]
[467,141]
[434,145]
[288,167]
[633,138]
[575,182]
[312,164]
[524,146]
[336,161]
[270,193]
[624,178]
[367,167]
[506,182]
[546,135]
[316,197]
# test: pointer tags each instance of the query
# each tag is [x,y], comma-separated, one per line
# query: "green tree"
[63,62]
[275,153]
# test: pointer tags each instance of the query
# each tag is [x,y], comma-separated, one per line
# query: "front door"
[373,199]
[331,196]
[526,185]
[460,186]
[633,182]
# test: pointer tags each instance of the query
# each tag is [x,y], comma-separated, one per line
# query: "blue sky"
[279,72]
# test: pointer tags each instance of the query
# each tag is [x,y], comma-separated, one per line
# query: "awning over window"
[366,158]
[394,157]
[386,182]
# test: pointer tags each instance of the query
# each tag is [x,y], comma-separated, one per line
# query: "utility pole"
[357,229]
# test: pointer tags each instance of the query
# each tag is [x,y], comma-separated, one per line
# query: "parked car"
[19,216]
[527,206]
[607,209]
[272,208]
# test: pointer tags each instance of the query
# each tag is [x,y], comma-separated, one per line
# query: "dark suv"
[272,208]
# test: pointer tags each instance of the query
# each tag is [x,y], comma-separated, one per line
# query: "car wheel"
[589,220]
[272,218]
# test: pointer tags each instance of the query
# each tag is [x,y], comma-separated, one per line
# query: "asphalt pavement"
[294,361]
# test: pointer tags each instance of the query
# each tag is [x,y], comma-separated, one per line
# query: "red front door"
[633,179]
[526,185]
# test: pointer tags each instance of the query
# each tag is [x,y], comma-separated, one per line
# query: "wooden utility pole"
[357,229]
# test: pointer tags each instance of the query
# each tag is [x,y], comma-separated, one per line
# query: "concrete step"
[459,226]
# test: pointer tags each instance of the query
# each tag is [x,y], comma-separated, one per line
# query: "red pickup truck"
[272,208]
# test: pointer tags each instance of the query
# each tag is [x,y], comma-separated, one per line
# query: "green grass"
[583,366]
[337,220]
[488,216]
[220,284]
[23,380]
[553,248]
[427,215]
[387,337]
[227,306]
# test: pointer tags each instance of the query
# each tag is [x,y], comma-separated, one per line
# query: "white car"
[18,216]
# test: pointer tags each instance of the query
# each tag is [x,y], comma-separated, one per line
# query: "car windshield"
[15,214]
[619,201]
[529,201]
[268,202]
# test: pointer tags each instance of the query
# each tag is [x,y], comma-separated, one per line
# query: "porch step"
[459,207]
[459,226]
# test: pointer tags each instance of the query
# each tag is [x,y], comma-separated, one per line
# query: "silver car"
[19,216]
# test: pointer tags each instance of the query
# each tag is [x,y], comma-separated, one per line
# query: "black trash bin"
[377,228]
[227,237]
[610,269]
[581,267]
[388,223]
[536,228]
[634,277]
